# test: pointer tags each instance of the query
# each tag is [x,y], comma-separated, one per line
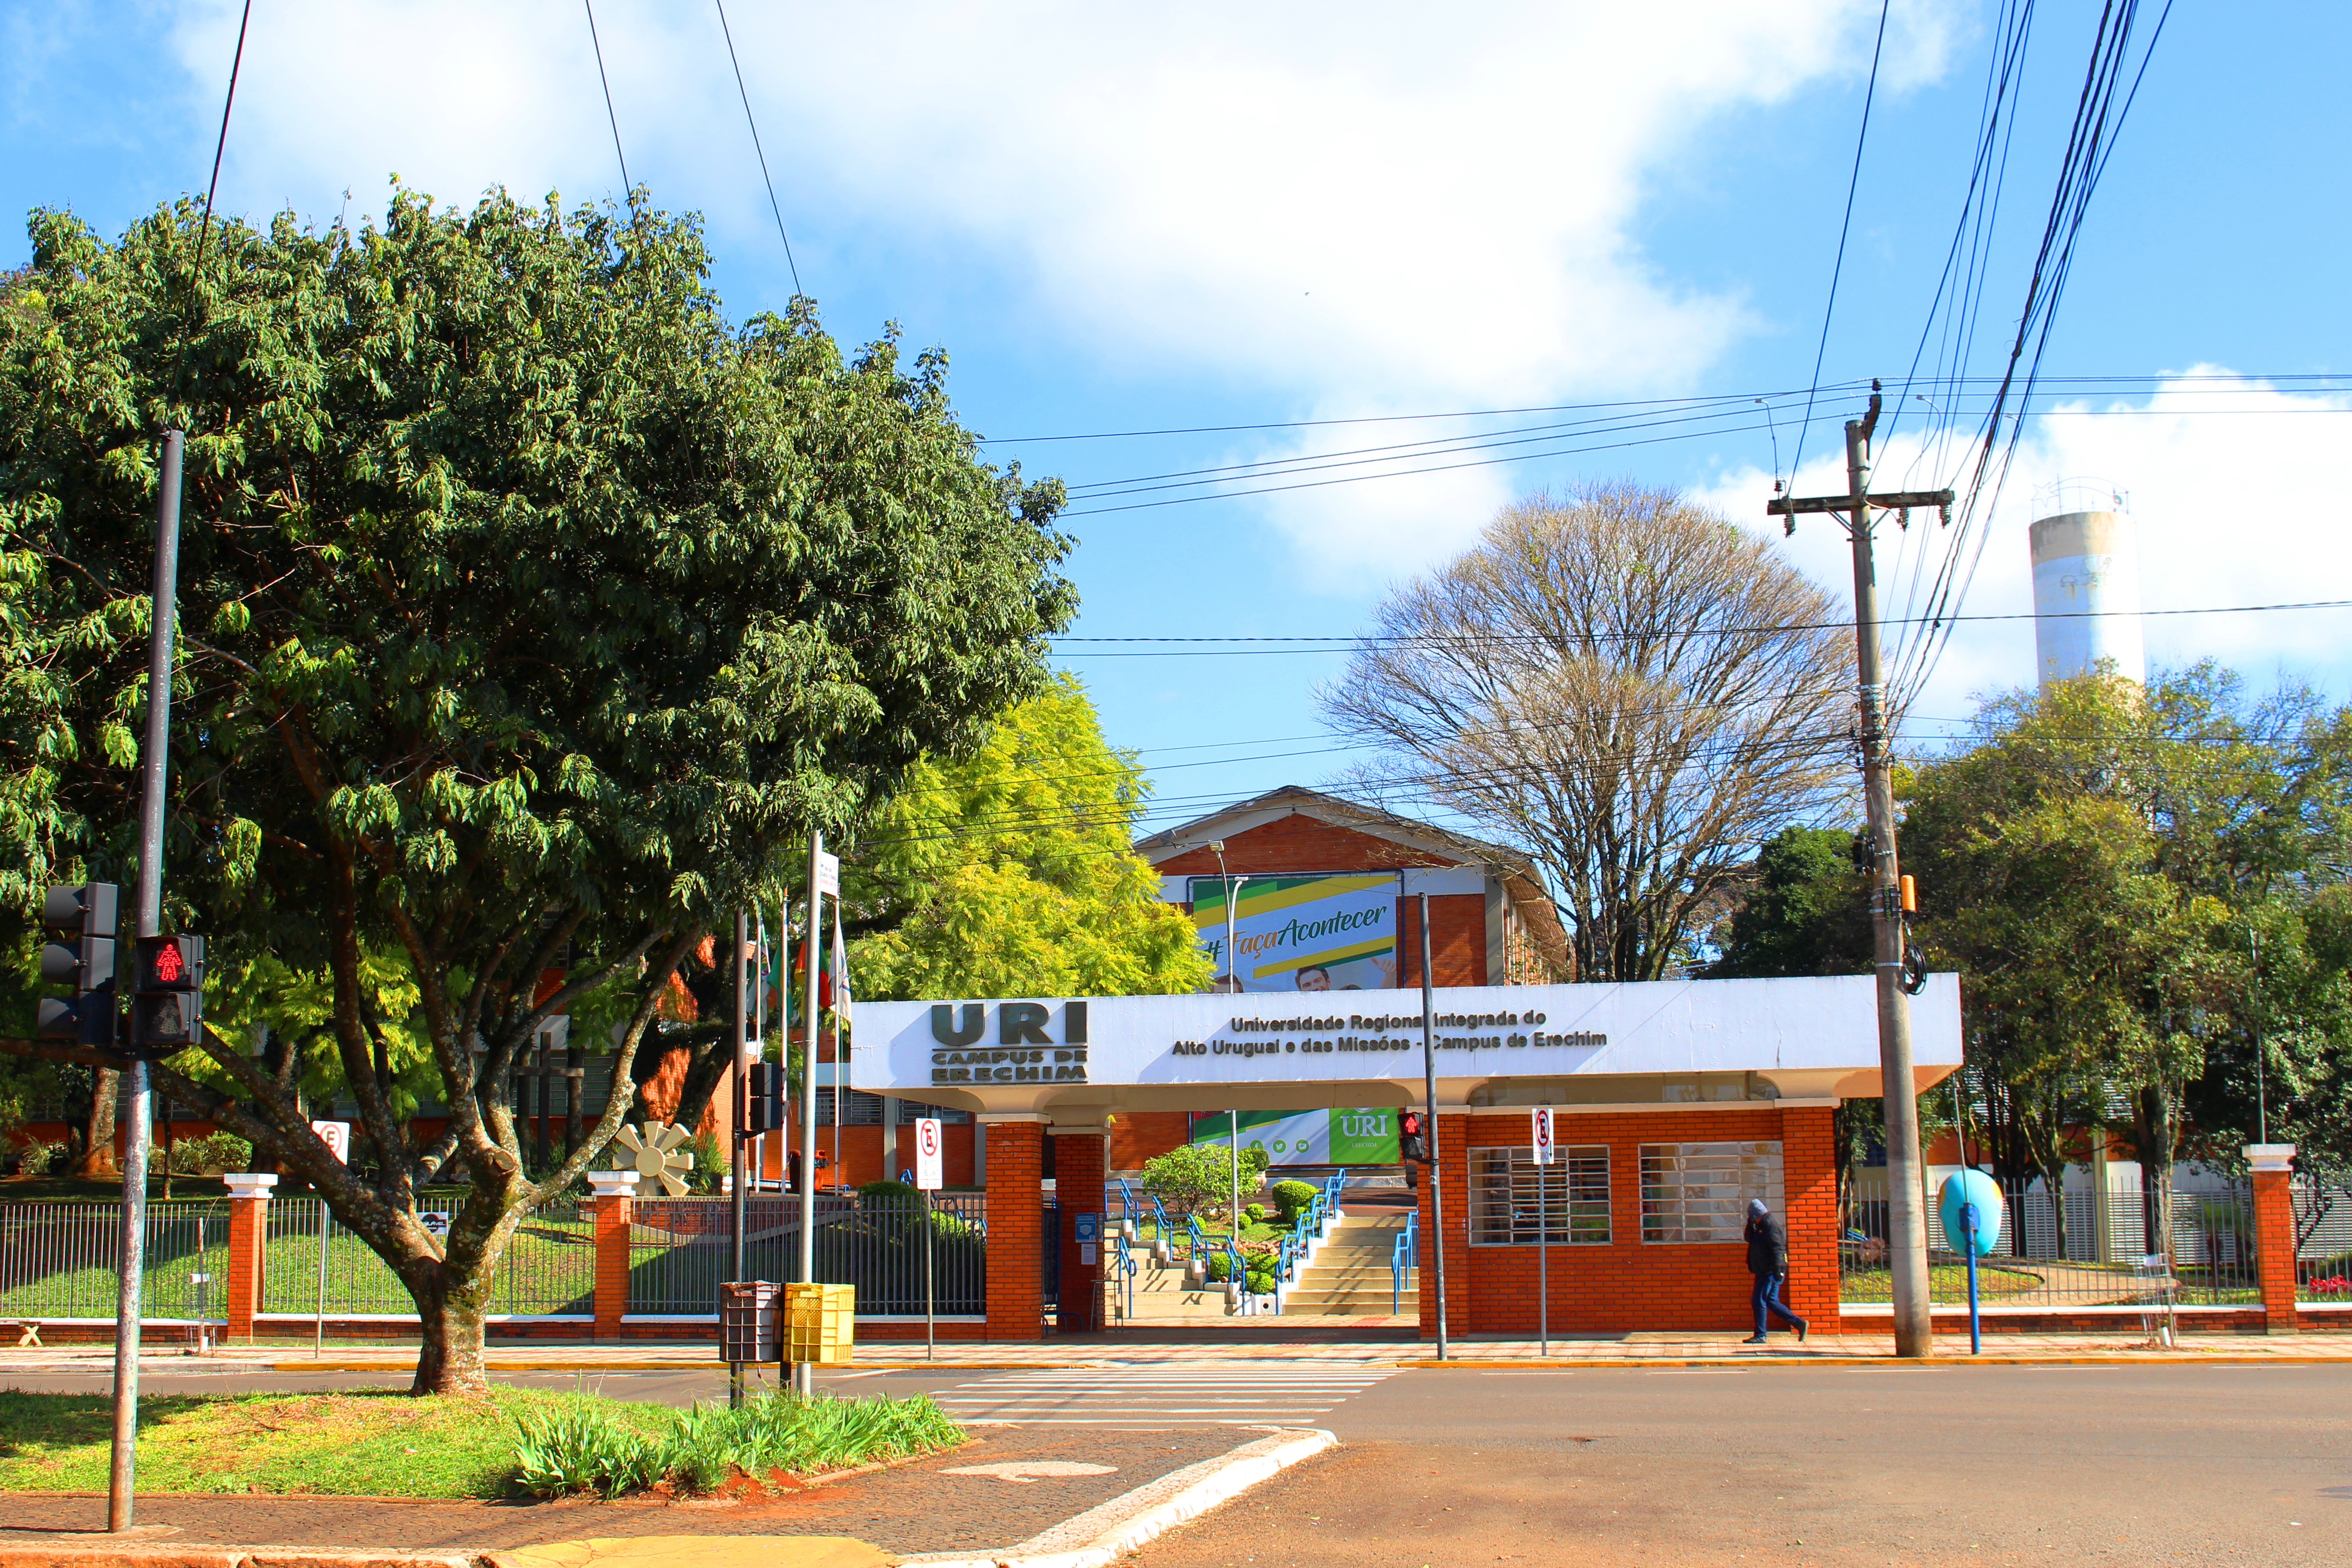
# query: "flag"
[832,980]
[840,988]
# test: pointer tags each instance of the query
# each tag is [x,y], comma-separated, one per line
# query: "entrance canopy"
[1072,1060]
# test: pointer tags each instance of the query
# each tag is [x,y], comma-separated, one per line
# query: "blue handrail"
[1126,1199]
[1123,1272]
[1405,1253]
[1236,1273]
[1197,1245]
[1161,1229]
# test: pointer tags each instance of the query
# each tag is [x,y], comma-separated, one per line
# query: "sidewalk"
[1393,1348]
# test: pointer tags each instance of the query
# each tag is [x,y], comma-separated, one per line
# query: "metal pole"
[931,1299]
[1908,1220]
[1976,1328]
[1543,1265]
[1234,975]
[155,766]
[319,1322]
[1429,1076]
[804,1374]
[737,1138]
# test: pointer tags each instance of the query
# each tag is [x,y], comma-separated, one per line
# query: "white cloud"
[2225,512]
[1350,209]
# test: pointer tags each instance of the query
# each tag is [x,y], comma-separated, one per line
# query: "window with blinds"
[859,1109]
[1573,1210]
[1700,1192]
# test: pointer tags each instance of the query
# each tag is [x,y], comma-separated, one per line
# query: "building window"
[911,1110]
[1700,1192]
[1575,1196]
[863,1110]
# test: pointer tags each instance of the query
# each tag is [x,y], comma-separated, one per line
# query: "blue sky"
[1235,216]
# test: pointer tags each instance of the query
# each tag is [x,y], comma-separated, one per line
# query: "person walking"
[1767,1261]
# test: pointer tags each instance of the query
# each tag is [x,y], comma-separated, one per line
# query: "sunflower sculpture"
[654,1156]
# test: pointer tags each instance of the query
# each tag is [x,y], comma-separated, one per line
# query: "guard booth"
[1676,1103]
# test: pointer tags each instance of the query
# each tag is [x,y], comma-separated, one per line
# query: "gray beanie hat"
[1757,1209]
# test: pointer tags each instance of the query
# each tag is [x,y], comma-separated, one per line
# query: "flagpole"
[804,1374]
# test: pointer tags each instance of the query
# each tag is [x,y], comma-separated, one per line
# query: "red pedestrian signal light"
[1412,1138]
[167,1001]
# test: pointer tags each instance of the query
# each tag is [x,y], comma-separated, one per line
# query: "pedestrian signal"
[1412,1138]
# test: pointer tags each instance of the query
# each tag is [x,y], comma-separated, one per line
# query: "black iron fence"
[58,1260]
[679,1250]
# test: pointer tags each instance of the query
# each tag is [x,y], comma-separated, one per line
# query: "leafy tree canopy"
[1804,912]
[530,613]
[1008,873]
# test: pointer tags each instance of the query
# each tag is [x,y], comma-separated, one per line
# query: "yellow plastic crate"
[820,1323]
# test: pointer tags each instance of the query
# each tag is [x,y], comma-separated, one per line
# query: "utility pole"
[740,1141]
[1429,1121]
[1907,1244]
[804,1374]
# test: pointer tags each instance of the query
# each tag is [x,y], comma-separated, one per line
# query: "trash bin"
[747,1321]
[820,1323]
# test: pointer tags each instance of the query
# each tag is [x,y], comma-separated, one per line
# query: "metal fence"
[679,1250]
[2322,1235]
[2077,1249]
[311,1264]
[58,1259]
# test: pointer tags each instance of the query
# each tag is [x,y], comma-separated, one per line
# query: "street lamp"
[1233,975]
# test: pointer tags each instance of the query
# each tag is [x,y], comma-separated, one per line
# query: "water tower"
[2085,584]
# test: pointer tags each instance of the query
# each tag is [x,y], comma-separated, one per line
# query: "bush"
[1292,1198]
[1200,1176]
[37,1158]
[709,1162]
[211,1155]
[889,1195]
[589,1449]
[1254,1213]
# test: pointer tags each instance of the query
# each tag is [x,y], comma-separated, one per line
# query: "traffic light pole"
[740,1138]
[154,767]
[1908,1220]
[804,1374]
[1429,1124]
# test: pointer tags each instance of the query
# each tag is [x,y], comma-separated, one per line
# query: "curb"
[1109,1531]
[141,1555]
[1892,1363]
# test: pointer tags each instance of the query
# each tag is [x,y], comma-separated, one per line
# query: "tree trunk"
[449,1360]
[96,1160]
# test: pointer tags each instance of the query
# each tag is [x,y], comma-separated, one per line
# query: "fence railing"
[2077,1249]
[679,1252]
[58,1259]
[2323,1235]
[548,1268]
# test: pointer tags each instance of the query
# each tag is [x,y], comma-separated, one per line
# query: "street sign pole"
[337,1136]
[1429,1128]
[929,1166]
[1543,1136]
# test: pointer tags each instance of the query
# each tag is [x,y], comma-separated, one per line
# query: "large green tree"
[530,610]
[2141,888]
[1008,873]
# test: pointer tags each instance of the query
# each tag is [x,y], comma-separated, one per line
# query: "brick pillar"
[1453,1170]
[1016,1221]
[2275,1232]
[611,1216]
[1079,1161]
[1808,1186]
[249,1235]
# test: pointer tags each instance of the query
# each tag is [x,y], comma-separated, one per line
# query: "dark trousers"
[1766,1298]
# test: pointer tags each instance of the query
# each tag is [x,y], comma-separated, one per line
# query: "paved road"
[2196,1464]
[2202,1465]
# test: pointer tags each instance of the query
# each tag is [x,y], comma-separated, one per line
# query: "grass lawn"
[376,1443]
[1947,1282]
[387,1444]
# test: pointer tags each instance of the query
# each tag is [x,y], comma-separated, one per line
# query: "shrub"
[1291,1199]
[590,1449]
[709,1162]
[1200,1176]
[889,1195]
[211,1155]
[1254,1213]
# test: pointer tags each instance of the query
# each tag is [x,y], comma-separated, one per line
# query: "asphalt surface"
[2188,1463]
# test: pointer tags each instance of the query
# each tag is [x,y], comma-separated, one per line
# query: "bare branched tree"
[1626,687]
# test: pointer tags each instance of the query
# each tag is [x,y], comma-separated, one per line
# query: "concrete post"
[248,1237]
[611,1205]
[2275,1232]
[1015,1143]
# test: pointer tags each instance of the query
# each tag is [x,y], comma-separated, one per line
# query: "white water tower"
[2085,584]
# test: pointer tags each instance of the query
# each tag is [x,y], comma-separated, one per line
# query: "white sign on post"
[828,874]
[337,1136]
[1543,1134]
[927,1152]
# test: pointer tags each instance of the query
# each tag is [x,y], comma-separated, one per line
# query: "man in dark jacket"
[1767,1261]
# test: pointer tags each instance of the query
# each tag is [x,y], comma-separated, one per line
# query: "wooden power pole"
[1907,1242]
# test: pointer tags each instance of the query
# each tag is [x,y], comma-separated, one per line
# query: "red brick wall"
[2274,1245]
[1629,1285]
[1079,1189]
[611,1223]
[1016,1223]
[862,1149]
[1457,939]
[1137,1135]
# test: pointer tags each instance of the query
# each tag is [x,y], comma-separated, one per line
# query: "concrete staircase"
[1160,1295]
[1349,1277]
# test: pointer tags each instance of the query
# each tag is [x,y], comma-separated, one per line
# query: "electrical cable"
[212,190]
[1837,268]
[773,206]
[597,43]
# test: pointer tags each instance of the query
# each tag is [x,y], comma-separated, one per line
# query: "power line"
[205,229]
[1837,268]
[746,92]
[598,46]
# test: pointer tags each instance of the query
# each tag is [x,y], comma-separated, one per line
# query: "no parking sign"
[927,1154]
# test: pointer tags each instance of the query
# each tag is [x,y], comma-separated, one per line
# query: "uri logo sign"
[1300,932]
[1356,1137]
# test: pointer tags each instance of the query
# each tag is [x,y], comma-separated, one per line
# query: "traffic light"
[1413,1139]
[83,918]
[765,1093]
[167,994]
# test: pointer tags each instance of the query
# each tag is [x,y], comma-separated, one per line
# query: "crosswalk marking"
[1113,1396]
